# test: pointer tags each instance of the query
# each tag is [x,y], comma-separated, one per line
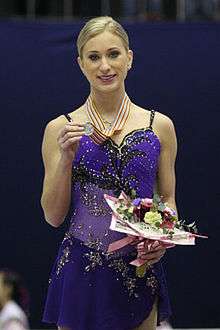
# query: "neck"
[107,104]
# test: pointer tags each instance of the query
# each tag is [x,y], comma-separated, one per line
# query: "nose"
[104,66]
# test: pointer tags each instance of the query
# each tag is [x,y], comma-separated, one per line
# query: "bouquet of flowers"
[149,219]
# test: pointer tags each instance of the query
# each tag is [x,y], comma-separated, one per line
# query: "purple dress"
[89,289]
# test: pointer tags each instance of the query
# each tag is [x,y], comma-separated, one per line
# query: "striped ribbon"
[101,131]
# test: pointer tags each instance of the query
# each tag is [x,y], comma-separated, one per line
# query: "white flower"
[152,217]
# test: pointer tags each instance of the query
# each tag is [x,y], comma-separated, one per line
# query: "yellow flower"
[131,209]
[152,217]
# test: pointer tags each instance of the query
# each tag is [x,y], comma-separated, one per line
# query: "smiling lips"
[107,78]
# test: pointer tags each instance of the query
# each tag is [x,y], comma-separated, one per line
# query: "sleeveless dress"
[88,288]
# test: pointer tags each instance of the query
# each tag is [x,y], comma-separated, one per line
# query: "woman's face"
[105,62]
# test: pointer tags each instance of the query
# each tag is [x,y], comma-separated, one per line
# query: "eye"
[93,57]
[114,54]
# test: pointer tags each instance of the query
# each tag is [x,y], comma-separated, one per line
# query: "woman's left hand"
[151,251]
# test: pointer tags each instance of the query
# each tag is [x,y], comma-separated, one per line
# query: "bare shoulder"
[163,122]
[164,128]
[160,122]
[162,125]
[55,125]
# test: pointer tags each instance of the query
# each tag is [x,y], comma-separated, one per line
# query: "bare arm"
[166,182]
[153,252]
[59,146]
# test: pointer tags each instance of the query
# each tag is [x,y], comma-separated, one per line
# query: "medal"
[102,129]
[88,129]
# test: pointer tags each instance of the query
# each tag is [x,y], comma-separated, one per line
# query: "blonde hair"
[98,25]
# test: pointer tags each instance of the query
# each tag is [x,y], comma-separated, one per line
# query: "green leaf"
[133,194]
[191,224]
[161,207]
[156,199]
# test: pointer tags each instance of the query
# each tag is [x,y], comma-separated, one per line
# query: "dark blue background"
[176,71]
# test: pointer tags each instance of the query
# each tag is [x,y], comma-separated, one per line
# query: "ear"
[80,62]
[130,58]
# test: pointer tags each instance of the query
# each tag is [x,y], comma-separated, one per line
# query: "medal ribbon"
[101,132]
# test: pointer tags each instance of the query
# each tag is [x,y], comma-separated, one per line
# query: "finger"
[140,246]
[71,123]
[145,245]
[149,260]
[70,142]
[155,244]
[70,135]
[151,255]
[70,128]
[141,241]
[73,128]
[157,248]
[160,245]
[156,255]
[151,245]
[153,261]
[147,242]
[135,241]
[168,245]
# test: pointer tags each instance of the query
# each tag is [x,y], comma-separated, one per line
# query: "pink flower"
[148,202]
[169,211]
[167,224]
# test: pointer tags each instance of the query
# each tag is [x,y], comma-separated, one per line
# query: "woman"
[129,148]
[13,301]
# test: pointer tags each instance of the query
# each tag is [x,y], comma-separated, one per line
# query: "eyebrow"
[108,50]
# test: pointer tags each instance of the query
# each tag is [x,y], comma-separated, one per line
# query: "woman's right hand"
[59,147]
[68,140]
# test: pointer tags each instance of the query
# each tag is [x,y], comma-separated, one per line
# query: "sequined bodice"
[109,168]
